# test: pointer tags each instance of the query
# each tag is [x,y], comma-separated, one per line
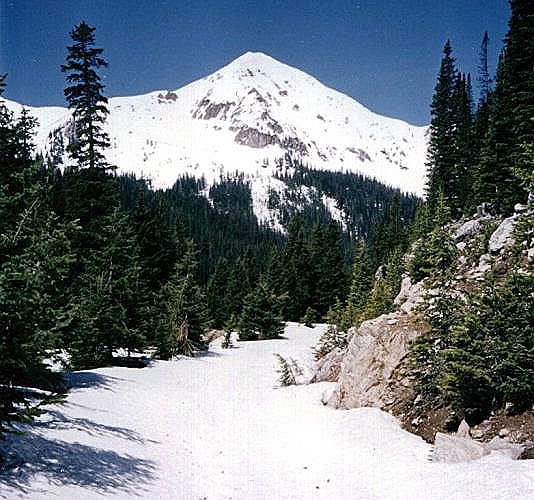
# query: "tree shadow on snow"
[56,420]
[63,463]
[85,380]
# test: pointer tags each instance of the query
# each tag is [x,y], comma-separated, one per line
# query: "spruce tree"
[185,319]
[85,97]
[112,301]
[34,262]
[441,147]
[361,284]
[510,127]
[260,318]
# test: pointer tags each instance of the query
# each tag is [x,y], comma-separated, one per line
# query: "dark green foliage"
[361,285]
[34,260]
[289,371]
[85,97]
[435,253]
[480,355]
[110,309]
[450,151]
[511,107]
[364,201]
[260,318]
[185,319]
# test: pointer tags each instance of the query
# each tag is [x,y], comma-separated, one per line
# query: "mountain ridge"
[243,118]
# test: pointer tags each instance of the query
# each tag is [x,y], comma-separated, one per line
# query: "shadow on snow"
[85,380]
[64,463]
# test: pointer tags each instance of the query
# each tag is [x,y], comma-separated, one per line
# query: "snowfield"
[218,427]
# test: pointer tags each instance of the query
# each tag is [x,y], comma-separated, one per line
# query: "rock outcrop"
[373,354]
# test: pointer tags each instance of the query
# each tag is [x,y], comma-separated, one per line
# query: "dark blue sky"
[385,54]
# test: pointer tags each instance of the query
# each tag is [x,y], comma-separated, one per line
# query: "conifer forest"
[94,263]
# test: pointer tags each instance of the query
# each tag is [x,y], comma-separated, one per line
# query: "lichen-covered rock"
[374,352]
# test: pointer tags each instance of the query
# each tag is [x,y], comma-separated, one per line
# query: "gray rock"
[327,368]
[502,237]
[467,230]
[454,449]
[463,430]
[374,352]
[410,295]
[511,450]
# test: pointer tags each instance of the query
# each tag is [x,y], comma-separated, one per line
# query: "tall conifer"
[85,97]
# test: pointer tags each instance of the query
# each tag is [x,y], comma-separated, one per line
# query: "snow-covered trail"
[216,427]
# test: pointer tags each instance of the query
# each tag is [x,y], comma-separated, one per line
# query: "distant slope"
[241,119]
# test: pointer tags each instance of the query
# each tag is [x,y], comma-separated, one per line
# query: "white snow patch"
[217,427]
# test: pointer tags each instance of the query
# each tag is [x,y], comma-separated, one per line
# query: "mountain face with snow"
[243,118]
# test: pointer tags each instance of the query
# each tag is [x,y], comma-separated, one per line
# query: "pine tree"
[216,294]
[112,304]
[85,97]
[329,280]
[361,284]
[296,277]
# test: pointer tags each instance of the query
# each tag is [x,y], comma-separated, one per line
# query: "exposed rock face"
[373,354]
[502,237]
[254,138]
[467,230]
[327,368]
[410,295]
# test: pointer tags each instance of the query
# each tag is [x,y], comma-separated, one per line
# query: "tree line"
[92,263]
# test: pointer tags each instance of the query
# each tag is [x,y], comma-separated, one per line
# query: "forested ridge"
[92,263]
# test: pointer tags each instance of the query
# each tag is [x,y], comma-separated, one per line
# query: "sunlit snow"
[218,427]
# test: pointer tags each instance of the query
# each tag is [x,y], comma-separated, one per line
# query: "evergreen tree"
[441,147]
[216,294]
[296,276]
[260,318]
[361,284]
[185,320]
[327,270]
[484,77]
[112,306]
[85,97]
[34,262]
[510,125]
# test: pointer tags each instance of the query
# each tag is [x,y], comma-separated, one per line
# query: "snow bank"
[217,427]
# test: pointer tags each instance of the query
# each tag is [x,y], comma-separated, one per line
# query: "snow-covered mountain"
[244,117]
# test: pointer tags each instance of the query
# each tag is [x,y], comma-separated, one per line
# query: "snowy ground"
[216,427]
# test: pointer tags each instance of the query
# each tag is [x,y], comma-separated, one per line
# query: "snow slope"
[216,427]
[244,117]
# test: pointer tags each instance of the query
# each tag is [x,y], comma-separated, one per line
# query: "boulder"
[467,230]
[511,450]
[373,354]
[502,236]
[463,430]
[455,449]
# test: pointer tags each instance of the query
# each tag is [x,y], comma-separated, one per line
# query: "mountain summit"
[244,117]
